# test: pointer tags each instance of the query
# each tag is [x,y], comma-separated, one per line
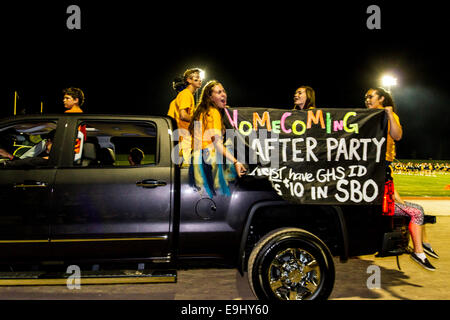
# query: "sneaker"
[423,263]
[429,251]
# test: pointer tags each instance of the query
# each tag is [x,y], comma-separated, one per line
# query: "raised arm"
[396,131]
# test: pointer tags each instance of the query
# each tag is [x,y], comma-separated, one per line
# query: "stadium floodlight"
[388,81]
[202,74]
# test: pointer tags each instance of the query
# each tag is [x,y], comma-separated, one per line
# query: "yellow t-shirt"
[184,100]
[74,110]
[390,143]
[210,127]
[172,109]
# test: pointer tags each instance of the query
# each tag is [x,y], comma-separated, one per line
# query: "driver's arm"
[6,154]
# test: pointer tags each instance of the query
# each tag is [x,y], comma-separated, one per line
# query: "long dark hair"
[388,100]
[204,104]
[310,98]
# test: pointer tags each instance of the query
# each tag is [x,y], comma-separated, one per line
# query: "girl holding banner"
[304,98]
[379,98]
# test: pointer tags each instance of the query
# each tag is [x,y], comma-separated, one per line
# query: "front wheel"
[291,264]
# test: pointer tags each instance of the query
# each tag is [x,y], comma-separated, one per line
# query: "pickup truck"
[88,204]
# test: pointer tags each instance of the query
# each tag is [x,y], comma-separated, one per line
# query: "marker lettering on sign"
[356,193]
[330,174]
[296,151]
[322,192]
[353,150]
[361,171]
[282,121]
[265,121]
[314,118]
[297,189]
[306,176]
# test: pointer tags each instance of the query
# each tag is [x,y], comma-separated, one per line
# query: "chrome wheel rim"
[294,274]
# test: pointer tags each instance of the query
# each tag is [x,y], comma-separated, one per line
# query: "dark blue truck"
[86,204]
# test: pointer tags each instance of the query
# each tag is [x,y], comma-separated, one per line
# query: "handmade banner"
[316,156]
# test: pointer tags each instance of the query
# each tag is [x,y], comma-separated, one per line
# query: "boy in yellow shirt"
[73,100]
[182,108]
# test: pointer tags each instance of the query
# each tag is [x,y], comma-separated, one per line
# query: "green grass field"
[422,186]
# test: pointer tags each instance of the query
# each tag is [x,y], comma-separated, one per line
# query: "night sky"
[127,53]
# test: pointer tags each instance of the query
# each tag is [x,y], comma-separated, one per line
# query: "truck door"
[107,208]
[26,189]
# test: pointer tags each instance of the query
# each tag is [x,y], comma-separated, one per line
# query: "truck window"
[110,143]
[28,142]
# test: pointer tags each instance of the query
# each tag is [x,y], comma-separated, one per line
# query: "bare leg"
[397,197]
[417,232]
[424,235]
[416,236]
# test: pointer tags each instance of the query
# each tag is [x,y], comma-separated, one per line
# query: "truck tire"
[291,264]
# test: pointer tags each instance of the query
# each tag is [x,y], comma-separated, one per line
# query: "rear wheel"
[291,264]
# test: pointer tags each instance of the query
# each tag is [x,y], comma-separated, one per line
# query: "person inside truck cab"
[73,100]
[135,157]
[37,160]
[209,169]
[378,98]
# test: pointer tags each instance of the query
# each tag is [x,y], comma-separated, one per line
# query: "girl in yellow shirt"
[304,98]
[379,98]
[208,168]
